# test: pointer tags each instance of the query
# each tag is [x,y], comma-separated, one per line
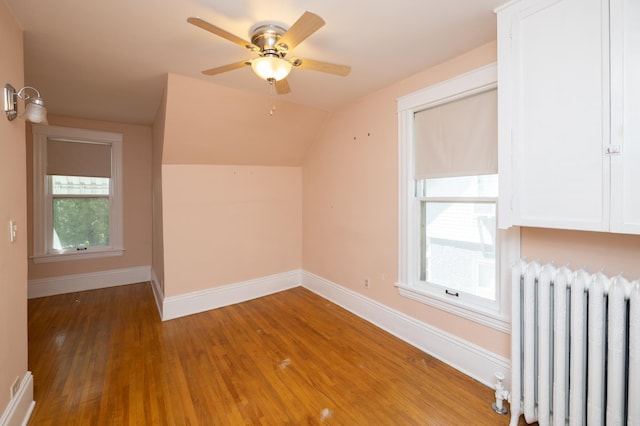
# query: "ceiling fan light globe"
[271,68]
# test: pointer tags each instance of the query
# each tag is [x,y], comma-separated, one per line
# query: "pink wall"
[350,200]
[231,184]
[13,206]
[350,208]
[137,201]
[228,224]
[595,251]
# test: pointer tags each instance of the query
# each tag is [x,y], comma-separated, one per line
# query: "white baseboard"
[91,281]
[21,405]
[200,301]
[158,293]
[462,355]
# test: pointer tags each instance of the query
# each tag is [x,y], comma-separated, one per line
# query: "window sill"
[49,258]
[488,319]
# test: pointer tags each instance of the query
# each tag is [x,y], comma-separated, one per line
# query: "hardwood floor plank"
[104,357]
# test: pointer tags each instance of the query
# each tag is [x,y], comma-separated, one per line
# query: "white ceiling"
[107,59]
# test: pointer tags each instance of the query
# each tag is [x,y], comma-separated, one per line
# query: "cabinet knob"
[613,149]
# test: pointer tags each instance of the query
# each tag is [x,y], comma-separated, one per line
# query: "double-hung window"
[452,255]
[77,195]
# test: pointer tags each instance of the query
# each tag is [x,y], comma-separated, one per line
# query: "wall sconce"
[34,109]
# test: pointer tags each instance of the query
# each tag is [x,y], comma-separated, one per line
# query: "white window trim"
[41,220]
[476,81]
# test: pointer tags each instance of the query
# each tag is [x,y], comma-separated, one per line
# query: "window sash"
[449,290]
[58,235]
[50,197]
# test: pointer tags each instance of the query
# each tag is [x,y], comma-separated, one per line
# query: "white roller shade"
[67,158]
[458,138]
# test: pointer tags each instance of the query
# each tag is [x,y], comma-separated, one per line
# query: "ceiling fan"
[272,43]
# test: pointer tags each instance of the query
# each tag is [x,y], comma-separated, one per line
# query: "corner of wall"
[21,405]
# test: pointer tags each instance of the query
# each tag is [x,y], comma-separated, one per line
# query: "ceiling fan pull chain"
[272,95]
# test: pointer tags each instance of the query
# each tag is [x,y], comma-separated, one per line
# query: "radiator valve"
[501,395]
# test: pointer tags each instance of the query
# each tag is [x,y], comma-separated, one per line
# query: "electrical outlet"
[366,283]
[15,387]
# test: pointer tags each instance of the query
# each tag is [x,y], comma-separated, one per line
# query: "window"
[77,195]
[452,255]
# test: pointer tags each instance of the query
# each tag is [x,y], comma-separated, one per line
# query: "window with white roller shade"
[451,255]
[77,193]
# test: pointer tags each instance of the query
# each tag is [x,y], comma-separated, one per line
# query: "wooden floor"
[103,357]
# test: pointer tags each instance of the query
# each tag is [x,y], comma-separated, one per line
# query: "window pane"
[459,246]
[80,222]
[79,185]
[462,186]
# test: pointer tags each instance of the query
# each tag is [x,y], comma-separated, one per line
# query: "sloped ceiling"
[108,60]
[208,123]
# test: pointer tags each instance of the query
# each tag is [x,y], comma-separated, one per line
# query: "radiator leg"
[501,395]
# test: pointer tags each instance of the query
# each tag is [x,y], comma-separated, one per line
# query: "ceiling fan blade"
[282,87]
[306,25]
[225,68]
[310,64]
[222,33]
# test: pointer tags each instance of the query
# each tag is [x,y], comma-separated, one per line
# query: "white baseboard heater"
[575,347]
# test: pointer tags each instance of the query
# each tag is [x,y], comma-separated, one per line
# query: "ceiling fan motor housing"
[266,38]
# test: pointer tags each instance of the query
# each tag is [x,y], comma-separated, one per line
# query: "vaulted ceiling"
[108,59]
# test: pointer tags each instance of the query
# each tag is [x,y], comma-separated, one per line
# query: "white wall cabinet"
[569,89]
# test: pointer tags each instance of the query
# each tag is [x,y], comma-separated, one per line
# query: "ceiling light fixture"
[34,109]
[271,68]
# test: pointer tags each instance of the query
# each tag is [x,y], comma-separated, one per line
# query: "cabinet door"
[559,90]
[625,116]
